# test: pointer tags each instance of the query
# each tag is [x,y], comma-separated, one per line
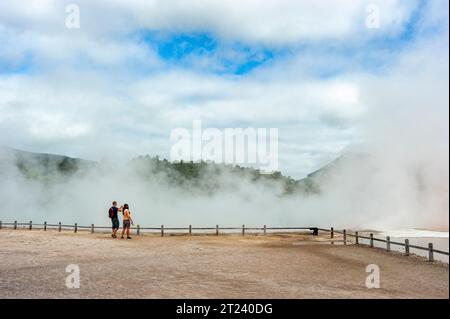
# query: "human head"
[125,206]
[114,203]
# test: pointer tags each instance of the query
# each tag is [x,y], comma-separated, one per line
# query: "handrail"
[388,242]
[315,230]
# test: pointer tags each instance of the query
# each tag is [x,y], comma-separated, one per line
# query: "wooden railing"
[138,229]
[388,241]
[264,229]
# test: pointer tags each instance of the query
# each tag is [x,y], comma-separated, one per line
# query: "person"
[113,214]
[126,220]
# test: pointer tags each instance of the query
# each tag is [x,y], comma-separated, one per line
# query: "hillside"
[41,166]
[203,176]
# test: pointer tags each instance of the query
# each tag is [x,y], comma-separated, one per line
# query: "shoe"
[128,237]
[121,237]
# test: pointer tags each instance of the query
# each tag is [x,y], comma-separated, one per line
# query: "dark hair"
[114,203]
[125,206]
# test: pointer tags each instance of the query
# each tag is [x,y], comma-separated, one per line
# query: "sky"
[135,70]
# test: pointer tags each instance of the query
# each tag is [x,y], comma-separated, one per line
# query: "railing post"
[45,226]
[332,232]
[190,230]
[430,252]
[388,243]
[243,230]
[217,230]
[265,229]
[371,239]
[138,230]
[407,247]
[162,230]
[31,225]
[92,228]
[15,224]
[356,238]
[59,227]
[345,236]
[75,228]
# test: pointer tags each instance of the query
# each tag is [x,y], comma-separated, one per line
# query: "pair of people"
[127,220]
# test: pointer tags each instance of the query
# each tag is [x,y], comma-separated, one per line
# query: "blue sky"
[304,67]
[238,57]
[176,49]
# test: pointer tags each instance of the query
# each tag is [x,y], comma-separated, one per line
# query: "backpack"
[111,213]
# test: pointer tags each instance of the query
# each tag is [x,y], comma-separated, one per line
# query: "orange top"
[126,214]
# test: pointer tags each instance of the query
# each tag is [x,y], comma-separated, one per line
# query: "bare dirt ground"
[33,265]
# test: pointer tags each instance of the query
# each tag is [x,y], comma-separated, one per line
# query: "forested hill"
[203,176]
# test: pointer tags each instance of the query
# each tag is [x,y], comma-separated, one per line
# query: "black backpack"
[111,213]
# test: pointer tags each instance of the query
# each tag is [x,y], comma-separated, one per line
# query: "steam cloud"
[396,177]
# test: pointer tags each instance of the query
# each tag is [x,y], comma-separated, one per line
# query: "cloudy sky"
[136,69]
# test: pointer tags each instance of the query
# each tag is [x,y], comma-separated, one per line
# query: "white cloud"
[139,116]
[55,126]
[272,22]
[103,89]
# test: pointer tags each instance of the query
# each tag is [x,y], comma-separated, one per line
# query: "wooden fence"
[138,229]
[189,230]
[388,241]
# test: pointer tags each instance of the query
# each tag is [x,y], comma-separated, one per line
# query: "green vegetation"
[204,177]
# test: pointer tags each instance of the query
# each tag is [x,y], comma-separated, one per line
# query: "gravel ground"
[33,265]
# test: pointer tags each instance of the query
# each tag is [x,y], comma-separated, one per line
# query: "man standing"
[114,218]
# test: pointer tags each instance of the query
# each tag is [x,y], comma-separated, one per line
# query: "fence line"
[243,229]
[190,228]
[388,242]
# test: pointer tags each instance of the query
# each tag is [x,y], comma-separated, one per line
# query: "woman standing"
[126,220]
